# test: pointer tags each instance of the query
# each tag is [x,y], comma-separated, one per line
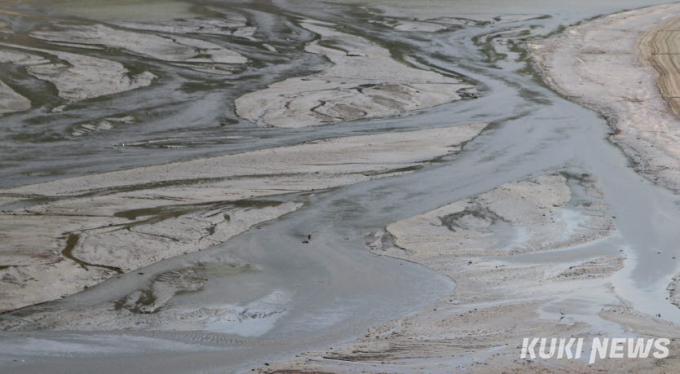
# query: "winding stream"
[333,288]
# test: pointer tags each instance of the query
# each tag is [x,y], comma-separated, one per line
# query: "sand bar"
[499,247]
[365,81]
[121,221]
[612,64]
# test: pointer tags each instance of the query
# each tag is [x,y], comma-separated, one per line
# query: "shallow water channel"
[332,289]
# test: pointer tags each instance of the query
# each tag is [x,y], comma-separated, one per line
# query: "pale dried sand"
[121,221]
[150,307]
[364,82]
[618,65]
[80,77]
[492,244]
[503,294]
[661,47]
[229,24]
[76,77]
[436,23]
[176,49]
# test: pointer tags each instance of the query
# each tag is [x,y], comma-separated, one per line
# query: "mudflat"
[623,66]
[332,187]
[122,221]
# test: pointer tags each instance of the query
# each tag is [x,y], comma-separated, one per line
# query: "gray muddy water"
[332,288]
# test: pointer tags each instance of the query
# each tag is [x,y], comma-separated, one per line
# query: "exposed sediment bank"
[150,307]
[77,77]
[626,66]
[229,24]
[189,52]
[496,246]
[660,48]
[525,256]
[511,282]
[124,220]
[365,81]
[523,221]
[11,101]
[622,66]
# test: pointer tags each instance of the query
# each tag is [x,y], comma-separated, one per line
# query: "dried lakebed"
[622,65]
[80,77]
[174,49]
[364,82]
[538,257]
[508,283]
[75,76]
[542,224]
[121,221]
